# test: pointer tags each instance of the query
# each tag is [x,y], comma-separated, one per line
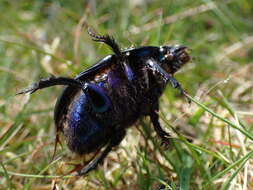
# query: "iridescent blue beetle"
[98,105]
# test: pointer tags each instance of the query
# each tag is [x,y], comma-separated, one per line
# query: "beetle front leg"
[115,141]
[51,81]
[175,84]
[162,134]
[155,67]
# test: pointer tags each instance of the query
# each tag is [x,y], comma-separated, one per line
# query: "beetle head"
[172,58]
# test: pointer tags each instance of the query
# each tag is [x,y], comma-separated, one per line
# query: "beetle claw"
[30,89]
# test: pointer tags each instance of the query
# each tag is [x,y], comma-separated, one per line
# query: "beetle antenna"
[109,40]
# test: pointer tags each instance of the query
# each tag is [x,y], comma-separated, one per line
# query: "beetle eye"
[169,56]
[165,54]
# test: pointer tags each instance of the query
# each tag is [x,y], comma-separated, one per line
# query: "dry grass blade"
[176,17]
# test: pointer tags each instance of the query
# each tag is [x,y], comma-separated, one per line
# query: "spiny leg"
[105,39]
[122,59]
[115,140]
[166,138]
[56,142]
[47,82]
[78,167]
[51,81]
[162,134]
[95,162]
[154,66]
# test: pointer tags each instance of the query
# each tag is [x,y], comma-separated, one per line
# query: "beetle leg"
[51,81]
[115,47]
[95,162]
[154,66]
[115,140]
[162,134]
[105,39]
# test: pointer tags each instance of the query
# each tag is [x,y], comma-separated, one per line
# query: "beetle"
[99,104]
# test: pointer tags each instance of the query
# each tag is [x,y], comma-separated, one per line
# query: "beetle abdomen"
[82,131]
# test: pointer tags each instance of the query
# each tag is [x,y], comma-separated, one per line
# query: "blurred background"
[39,38]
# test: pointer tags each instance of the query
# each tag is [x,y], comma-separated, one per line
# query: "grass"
[39,38]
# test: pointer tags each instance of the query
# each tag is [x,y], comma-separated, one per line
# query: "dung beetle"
[97,106]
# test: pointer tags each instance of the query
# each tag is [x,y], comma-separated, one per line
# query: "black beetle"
[98,105]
